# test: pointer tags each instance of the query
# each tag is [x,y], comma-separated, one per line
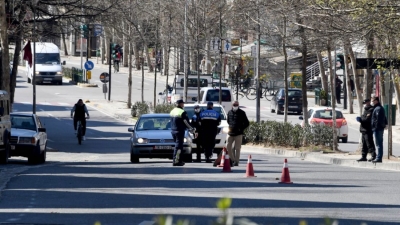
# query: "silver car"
[28,137]
[152,138]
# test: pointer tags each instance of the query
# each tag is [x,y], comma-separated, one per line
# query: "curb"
[323,158]
[87,85]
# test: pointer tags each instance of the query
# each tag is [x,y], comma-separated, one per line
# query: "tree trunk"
[353,67]
[368,75]
[129,103]
[148,59]
[137,56]
[324,78]
[285,72]
[126,42]
[63,39]
[348,79]
[107,48]
[333,97]
[382,90]
[5,59]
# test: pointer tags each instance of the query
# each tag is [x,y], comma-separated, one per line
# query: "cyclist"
[117,57]
[78,113]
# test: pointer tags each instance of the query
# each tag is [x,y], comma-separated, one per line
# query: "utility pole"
[390,141]
[238,74]
[257,77]
[185,54]
[109,71]
[220,54]
[34,61]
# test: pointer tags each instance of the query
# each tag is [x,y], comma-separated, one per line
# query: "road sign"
[98,30]
[235,42]
[254,51]
[227,45]
[88,74]
[104,77]
[215,43]
[89,65]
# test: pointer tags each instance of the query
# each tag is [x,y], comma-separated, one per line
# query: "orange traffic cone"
[285,178]
[222,158]
[249,170]
[227,164]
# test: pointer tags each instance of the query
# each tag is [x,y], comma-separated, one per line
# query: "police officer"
[196,124]
[368,145]
[179,123]
[209,120]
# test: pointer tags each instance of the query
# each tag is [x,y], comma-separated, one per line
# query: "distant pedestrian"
[195,123]
[238,122]
[338,89]
[209,120]
[179,124]
[378,125]
[366,132]
[352,88]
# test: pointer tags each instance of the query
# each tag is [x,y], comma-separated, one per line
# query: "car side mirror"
[1,111]
[64,63]
[301,118]
[42,129]
[131,129]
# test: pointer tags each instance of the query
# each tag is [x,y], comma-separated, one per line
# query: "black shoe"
[197,160]
[371,159]
[363,159]
[377,161]
[208,160]
[179,164]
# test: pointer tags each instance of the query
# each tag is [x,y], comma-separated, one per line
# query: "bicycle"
[264,91]
[79,132]
[116,66]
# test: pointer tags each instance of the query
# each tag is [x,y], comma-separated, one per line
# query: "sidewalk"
[119,110]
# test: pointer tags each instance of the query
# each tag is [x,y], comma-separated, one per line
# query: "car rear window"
[153,123]
[213,95]
[190,111]
[292,93]
[23,122]
[327,114]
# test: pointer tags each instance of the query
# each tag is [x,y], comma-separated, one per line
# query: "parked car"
[322,115]
[151,138]
[223,128]
[28,137]
[295,101]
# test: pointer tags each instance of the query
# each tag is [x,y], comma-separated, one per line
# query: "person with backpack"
[378,125]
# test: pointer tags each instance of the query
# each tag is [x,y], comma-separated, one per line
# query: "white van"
[211,94]
[48,64]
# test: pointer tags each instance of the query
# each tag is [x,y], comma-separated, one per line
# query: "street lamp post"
[34,58]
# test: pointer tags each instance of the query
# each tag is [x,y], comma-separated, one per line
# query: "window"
[154,123]
[327,114]
[213,95]
[201,95]
[192,82]
[47,58]
[309,113]
[23,122]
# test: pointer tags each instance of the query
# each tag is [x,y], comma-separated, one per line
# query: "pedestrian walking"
[366,132]
[209,122]
[338,89]
[238,122]
[179,124]
[352,88]
[378,125]
[195,123]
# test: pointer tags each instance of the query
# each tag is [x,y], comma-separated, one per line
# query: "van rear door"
[213,96]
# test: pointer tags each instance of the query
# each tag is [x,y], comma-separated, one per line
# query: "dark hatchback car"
[295,101]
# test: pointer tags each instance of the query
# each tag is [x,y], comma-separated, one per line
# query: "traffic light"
[84,30]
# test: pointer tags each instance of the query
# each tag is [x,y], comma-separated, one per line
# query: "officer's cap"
[196,106]
[180,101]
[210,103]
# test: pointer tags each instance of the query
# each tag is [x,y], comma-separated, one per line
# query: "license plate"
[162,147]
[291,106]
[48,79]
[12,147]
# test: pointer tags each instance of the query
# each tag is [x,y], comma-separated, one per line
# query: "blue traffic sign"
[98,30]
[89,65]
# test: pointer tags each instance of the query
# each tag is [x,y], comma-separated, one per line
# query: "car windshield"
[47,58]
[292,93]
[153,123]
[23,122]
[327,114]
[213,95]
[190,111]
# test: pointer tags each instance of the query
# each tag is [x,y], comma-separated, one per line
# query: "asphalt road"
[82,184]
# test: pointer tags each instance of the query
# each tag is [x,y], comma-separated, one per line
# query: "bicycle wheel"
[267,95]
[79,135]
[251,94]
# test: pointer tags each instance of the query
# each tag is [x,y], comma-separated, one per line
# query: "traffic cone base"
[285,178]
[249,169]
[227,165]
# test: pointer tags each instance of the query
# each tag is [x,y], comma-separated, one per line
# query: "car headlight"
[37,72]
[142,140]
[225,130]
[184,140]
[59,73]
[27,140]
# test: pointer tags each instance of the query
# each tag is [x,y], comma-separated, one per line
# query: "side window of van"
[201,95]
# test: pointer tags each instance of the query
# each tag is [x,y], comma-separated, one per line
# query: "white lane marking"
[147,223]
[25,103]
[13,219]
[64,104]
[44,103]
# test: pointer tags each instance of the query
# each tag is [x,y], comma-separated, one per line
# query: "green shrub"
[163,108]
[140,108]
[67,72]
[274,133]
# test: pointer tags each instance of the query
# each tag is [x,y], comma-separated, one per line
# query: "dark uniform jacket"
[237,121]
[179,120]
[378,120]
[196,121]
[365,124]
[210,120]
